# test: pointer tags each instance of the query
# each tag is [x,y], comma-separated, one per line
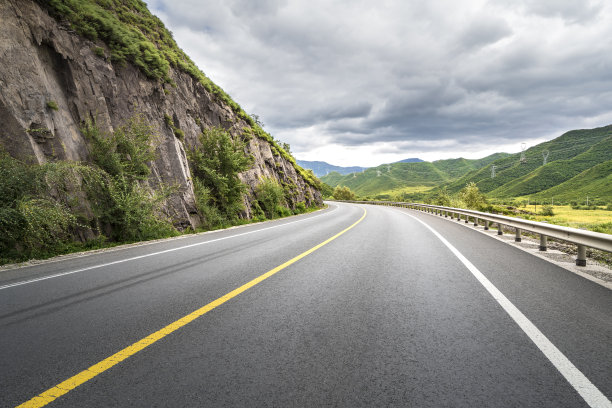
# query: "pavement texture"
[383,315]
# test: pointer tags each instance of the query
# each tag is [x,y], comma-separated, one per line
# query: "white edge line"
[587,390]
[57,275]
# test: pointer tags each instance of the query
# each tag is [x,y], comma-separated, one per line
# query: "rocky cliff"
[52,80]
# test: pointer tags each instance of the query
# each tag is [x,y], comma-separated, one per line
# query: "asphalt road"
[385,314]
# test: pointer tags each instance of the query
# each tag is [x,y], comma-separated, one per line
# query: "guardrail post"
[517,235]
[581,259]
[475,221]
[499,229]
[486,227]
[543,242]
[445,214]
[467,219]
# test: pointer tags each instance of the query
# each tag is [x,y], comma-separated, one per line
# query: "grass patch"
[52,105]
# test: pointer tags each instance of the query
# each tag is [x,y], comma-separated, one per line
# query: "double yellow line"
[86,375]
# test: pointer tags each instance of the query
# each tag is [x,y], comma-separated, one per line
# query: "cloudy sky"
[370,82]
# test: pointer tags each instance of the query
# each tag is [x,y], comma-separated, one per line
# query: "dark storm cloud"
[405,77]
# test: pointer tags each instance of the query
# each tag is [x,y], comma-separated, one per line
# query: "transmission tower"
[545,154]
[523,158]
[388,168]
[378,173]
[493,171]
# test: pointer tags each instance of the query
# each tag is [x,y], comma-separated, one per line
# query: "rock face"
[52,80]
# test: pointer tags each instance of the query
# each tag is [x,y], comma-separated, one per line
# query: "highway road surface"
[351,306]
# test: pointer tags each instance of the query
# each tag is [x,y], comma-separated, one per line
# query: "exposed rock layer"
[45,63]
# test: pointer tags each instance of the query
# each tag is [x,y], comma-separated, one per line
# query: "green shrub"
[99,51]
[127,152]
[211,216]
[282,211]
[270,195]
[472,197]
[216,163]
[52,105]
[300,208]
[547,210]
[343,193]
[48,225]
[176,130]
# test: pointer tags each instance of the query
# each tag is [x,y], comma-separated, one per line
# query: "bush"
[472,197]
[270,195]
[99,51]
[547,210]
[122,206]
[52,105]
[343,193]
[216,164]
[300,208]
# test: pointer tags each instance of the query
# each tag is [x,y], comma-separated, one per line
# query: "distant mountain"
[411,160]
[321,168]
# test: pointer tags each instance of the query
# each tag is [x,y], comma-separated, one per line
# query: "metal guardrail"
[579,237]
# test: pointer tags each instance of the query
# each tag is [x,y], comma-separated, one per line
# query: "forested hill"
[544,166]
[572,164]
[394,176]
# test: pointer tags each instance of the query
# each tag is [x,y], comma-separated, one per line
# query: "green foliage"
[176,130]
[125,153]
[442,198]
[216,164]
[52,105]
[343,193]
[47,225]
[211,216]
[472,197]
[300,208]
[32,223]
[547,210]
[99,51]
[270,196]
[326,190]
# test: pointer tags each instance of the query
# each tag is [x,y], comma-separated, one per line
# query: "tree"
[343,193]
[472,197]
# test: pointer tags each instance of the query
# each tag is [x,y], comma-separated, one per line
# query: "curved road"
[399,308]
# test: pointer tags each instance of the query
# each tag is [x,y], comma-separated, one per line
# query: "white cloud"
[359,82]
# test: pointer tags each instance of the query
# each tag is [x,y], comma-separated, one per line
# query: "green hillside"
[595,182]
[557,172]
[396,176]
[577,162]
[513,177]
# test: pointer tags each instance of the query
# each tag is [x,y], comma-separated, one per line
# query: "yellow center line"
[86,375]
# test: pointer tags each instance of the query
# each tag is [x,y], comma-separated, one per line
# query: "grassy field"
[599,220]
[398,192]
